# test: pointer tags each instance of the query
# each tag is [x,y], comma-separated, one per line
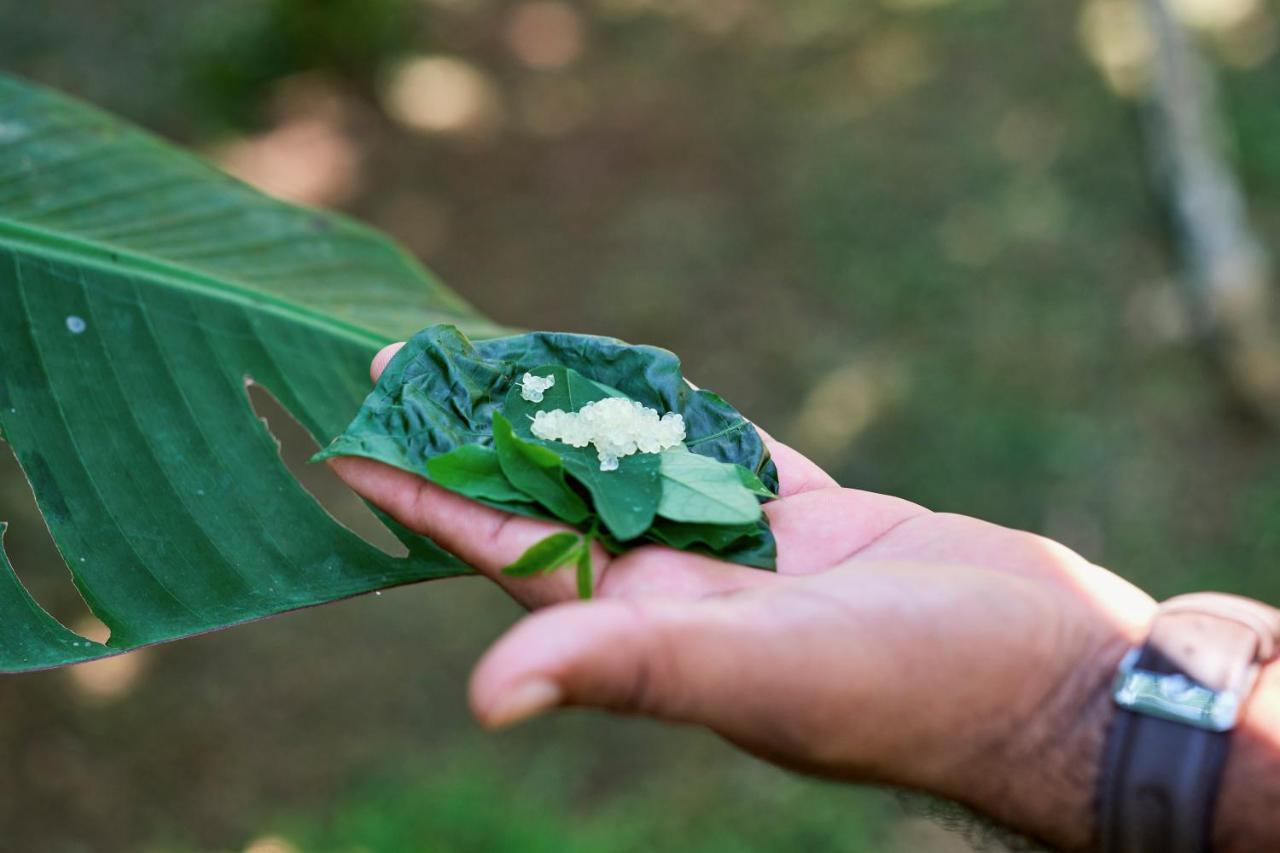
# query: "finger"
[382,359]
[484,538]
[658,657]
[818,529]
[796,472]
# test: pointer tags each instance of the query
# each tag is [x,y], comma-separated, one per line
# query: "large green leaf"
[140,289]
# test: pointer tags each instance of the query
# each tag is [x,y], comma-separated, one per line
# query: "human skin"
[894,645]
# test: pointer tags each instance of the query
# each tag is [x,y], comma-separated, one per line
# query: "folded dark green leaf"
[537,472]
[750,545]
[436,395]
[717,537]
[441,390]
[759,550]
[558,549]
[626,498]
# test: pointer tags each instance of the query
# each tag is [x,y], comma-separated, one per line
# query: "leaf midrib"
[108,258]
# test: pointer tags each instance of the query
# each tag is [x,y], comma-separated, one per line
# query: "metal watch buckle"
[1175,697]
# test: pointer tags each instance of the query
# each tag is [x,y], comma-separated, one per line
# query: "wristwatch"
[1178,697]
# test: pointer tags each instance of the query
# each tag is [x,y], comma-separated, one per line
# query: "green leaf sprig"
[453,411]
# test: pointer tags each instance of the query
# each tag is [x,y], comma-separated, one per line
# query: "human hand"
[893,645]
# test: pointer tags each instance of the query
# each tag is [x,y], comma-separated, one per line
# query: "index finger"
[383,358]
[485,538]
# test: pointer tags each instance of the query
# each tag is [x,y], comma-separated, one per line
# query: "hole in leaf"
[296,447]
[34,556]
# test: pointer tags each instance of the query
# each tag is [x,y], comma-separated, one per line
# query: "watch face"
[1174,696]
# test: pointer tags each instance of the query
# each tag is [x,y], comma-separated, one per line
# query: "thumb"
[382,359]
[651,656]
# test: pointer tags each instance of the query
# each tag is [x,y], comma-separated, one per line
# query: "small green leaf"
[697,488]
[626,499]
[753,483]
[473,471]
[556,550]
[584,570]
[536,471]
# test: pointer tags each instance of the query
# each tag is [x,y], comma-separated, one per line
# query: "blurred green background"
[911,237]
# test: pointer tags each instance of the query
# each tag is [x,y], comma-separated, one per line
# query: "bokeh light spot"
[271,844]
[841,406]
[1250,43]
[442,94]
[1118,41]
[306,160]
[545,34]
[1214,14]
[309,156]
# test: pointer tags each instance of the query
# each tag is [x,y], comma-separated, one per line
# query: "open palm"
[893,644]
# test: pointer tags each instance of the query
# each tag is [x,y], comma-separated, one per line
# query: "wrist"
[1053,756]
[1180,775]
[1041,778]
[1057,763]
[1039,775]
[1250,793]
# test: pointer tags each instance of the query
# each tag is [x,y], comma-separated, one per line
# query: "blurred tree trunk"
[1226,270]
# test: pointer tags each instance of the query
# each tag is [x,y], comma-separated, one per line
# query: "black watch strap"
[1178,696]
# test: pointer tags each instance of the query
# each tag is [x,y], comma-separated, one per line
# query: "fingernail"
[526,699]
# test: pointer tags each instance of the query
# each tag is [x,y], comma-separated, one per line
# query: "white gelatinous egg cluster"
[533,387]
[616,426]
